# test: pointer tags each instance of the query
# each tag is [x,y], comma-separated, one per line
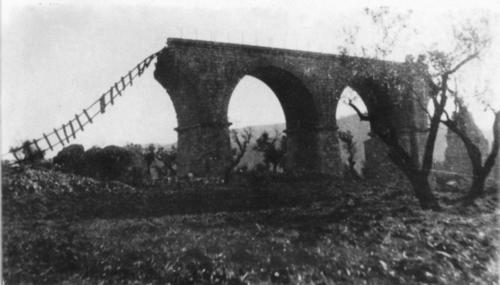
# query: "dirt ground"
[65,229]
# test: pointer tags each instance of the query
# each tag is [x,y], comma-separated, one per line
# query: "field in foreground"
[60,228]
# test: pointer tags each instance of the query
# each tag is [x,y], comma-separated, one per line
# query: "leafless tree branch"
[362,117]
[462,63]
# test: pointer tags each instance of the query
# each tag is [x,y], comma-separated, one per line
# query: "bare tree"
[480,170]
[416,174]
[169,158]
[438,68]
[389,27]
[150,156]
[242,140]
[471,43]
[350,146]
[273,149]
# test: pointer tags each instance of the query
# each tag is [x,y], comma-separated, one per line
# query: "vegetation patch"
[310,232]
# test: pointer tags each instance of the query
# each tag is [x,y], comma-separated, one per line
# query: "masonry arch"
[295,99]
[201,76]
[254,103]
[390,113]
[349,122]
[300,112]
[384,102]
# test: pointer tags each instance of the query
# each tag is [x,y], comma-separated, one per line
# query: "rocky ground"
[61,228]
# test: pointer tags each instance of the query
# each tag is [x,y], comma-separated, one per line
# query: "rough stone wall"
[201,76]
[201,150]
[378,165]
[456,157]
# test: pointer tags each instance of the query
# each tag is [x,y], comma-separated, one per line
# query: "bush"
[126,164]
[273,149]
[113,161]
[91,162]
[70,159]
[129,164]
[109,163]
[136,172]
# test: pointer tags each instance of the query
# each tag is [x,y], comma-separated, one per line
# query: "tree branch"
[430,144]
[362,117]
[462,63]
[424,108]
[236,139]
[490,160]
[447,116]
[472,149]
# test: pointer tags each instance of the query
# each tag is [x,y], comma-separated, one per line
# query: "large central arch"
[300,113]
[200,77]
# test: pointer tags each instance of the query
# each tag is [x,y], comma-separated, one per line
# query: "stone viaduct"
[200,76]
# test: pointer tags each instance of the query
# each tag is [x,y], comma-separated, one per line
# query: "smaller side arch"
[353,132]
[392,107]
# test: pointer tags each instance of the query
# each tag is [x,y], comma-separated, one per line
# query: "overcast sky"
[57,56]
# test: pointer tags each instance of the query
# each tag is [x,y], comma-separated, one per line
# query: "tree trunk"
[480,172]
[423,191]
[418,177]
[227,175]
[477,188]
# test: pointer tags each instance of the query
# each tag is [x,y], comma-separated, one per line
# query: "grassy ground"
[67,229]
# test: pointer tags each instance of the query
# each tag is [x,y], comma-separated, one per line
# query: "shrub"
[70,159]
[273,149]
[114,162]
[91,160]
[109,163]
[136,172]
